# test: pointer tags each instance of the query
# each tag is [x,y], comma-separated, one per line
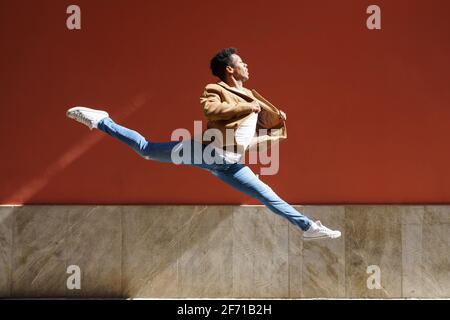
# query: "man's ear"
[229,69]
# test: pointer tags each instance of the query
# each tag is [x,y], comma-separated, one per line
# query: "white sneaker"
[87,116]
[319,231]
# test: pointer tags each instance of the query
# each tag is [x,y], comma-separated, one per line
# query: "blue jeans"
[237,175]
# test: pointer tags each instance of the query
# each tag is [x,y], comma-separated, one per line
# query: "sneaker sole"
[71,110]
[319,238]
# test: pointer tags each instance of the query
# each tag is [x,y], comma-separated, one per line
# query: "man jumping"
[229,107]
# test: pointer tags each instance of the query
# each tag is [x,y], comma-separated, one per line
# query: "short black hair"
[220,61]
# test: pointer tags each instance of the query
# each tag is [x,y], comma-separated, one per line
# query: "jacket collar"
[247,96]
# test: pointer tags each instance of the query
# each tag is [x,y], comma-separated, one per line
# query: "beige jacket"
[226,108]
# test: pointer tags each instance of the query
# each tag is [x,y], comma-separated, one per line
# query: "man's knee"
[143,149]
[267,195]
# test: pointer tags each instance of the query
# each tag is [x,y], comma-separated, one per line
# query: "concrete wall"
[222,251]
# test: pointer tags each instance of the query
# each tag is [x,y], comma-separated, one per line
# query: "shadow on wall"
[27,191]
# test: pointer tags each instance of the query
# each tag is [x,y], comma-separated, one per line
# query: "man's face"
[240,70]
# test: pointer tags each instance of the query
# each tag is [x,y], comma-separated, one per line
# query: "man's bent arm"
[215,109]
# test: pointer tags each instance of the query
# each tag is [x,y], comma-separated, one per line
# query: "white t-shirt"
[243,136]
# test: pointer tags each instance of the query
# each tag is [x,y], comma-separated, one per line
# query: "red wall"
[368,111]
